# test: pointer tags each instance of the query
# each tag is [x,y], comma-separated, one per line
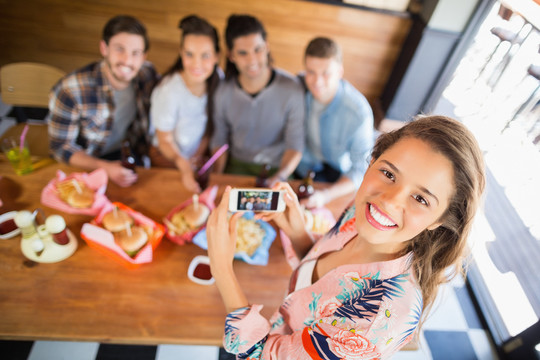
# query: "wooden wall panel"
[66,33]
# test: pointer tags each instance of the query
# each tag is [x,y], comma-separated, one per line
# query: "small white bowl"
[202,261]
[5,217]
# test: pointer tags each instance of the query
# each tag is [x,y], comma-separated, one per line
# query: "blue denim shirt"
[347,135]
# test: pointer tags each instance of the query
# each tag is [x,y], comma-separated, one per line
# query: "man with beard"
[94,110]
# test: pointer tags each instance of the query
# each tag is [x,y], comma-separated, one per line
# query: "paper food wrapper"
[207,197]
[96,180]
[260,256]
[103,240]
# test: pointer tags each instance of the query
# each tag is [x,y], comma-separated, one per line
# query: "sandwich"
[195,215]
[81,200]
[190,217]
[117,220]
[75,193]
[131,239]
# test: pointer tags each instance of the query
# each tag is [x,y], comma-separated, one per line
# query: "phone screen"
[257,200]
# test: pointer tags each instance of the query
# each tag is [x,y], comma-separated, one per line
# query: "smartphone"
[256,200]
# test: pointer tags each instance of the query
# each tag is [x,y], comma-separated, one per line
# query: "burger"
[75,193]
[81,200]
[195,215]
[117,220]
[131,239]
[190,217]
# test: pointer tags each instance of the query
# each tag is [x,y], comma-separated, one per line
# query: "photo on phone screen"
[256,200]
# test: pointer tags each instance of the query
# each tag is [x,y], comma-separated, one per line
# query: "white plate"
[5,217]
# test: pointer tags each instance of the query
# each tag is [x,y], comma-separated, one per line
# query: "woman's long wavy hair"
[435,251]
[194,25]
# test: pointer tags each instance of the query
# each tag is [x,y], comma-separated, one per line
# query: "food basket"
[207,198]
[260,256]
[96,181]
[102,240]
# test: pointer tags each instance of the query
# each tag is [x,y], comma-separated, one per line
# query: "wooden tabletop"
[90,297]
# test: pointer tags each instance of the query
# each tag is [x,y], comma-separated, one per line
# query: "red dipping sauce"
[7,226]
[202,271]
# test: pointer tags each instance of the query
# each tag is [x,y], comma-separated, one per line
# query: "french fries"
[249,236]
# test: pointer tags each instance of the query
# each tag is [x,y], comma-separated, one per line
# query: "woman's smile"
[405,191]
[378,219]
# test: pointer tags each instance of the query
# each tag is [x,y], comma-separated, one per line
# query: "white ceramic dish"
[199,260]
[52,252]
[5,217]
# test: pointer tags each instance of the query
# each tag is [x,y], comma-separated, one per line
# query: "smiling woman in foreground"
[361,291]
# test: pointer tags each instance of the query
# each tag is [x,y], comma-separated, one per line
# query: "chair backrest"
[28,84]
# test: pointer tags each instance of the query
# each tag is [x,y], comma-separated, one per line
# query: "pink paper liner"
[96,180]
[207,197]
[103,240]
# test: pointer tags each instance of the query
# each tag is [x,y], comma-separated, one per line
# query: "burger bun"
[116,222]
[79,200]
[195,215]
[132,240]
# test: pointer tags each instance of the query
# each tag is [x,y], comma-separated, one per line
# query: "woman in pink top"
[360,291]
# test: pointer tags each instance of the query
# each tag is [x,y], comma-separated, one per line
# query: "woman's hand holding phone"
[292,220]
[221,233]
[221,239]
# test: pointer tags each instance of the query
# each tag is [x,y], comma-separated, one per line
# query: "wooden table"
[90,297]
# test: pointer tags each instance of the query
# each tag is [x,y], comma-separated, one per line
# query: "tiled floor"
[453,331]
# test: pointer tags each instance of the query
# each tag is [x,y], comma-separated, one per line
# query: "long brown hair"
[434,251]
[194,25]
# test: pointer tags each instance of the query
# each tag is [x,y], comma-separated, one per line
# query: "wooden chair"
[28,84]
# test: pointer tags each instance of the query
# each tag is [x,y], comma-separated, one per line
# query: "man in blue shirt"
[339,125]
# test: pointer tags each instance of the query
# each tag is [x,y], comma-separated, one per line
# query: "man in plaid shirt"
[93,110]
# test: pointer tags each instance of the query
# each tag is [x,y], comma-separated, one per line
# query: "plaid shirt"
[81,110]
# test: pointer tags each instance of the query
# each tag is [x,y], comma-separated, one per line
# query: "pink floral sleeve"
[367,326]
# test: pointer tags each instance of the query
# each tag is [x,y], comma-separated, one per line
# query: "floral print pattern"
[349,345]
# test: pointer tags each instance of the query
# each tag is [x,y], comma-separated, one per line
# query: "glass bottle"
[305,189]
[263,176]
[128,160]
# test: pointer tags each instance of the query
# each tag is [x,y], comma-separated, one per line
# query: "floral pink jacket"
[359,311]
